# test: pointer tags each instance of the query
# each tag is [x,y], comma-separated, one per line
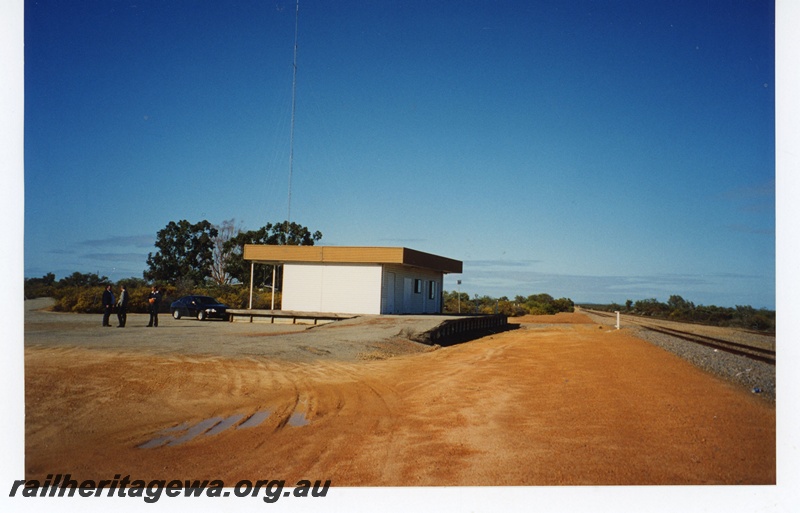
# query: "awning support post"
[250,306]
[273,288]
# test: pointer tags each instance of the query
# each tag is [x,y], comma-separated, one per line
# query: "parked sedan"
[200,307]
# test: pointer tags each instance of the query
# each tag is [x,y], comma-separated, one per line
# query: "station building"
[357,279]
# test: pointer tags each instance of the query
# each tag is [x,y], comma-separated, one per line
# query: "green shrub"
[78,300]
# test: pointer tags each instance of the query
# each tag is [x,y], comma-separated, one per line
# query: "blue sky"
[601,151]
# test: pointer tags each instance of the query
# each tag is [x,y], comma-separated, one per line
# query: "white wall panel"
[302,288]
[337,288]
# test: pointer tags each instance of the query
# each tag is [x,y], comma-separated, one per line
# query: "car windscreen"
[205,300]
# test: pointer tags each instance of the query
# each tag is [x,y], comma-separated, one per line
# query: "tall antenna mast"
[294,96]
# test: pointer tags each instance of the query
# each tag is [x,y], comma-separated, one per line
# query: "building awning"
[271,254]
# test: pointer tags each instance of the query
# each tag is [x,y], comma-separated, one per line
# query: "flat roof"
[271,254]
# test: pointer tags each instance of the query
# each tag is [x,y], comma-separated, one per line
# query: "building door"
[408,288]
[390,293]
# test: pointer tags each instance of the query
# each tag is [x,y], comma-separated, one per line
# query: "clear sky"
[601,151]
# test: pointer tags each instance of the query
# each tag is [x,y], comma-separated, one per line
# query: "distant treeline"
[83,293]
[678,309]
[536,304]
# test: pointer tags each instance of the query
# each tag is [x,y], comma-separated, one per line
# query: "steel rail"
[748,351]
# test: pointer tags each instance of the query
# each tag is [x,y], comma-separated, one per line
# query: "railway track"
[749,351]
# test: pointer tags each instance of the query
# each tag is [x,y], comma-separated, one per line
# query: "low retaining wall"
[457,330]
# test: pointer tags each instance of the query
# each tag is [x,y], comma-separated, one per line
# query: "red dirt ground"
[560,401]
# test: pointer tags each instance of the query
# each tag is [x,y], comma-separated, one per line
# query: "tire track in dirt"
[187,392]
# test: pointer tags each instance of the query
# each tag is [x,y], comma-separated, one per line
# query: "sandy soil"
[559,401]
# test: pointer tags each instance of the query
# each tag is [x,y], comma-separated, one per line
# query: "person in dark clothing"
[122,307]
[155,301]
[108,305]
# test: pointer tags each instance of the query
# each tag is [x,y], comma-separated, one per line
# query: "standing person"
[122,307]
[155,301]
[108,305]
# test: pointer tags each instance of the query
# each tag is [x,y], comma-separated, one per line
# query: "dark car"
[201,307]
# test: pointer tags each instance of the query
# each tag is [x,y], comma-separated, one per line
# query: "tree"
[39,287]
[185,253]
[650,307]
[563,304]
[457,302]
[285,233]
[540,304]
[676,302]
[48,280]
[222,253]
[88,280]
[133,283]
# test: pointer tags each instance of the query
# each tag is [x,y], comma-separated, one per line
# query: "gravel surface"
[758,377]
[366,337]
